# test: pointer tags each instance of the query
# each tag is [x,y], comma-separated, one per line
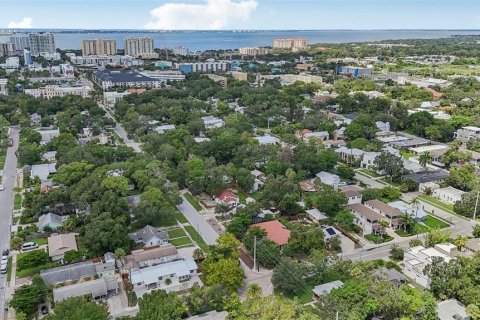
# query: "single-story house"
[320,135]
[150,236]
[47,134]
[75,271]
[59,244]
[448,194]
[452,310]
[330,179]
[368,159]
[228,197]
[99,289]
[171,276]
[315,215]
[365,218]
[415,211]
[267,140]
[49,156]
[42,171]
[426,176]
[50,220]
[276,231]
[211,122]
[325,288]
[411,143]
[332,144]
[150,257]
[164,128]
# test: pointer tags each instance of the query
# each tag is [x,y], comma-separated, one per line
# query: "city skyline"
[241,14]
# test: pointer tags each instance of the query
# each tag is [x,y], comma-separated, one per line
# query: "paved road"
[369,181]
[197,221]
[6,206]
[121,132]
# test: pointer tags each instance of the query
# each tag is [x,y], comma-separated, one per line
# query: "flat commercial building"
[41,42]
[105,61]
[51,91]
[126,79]
[140,47]
[292,43]
[3,87]
[164,76]
[99,47]
[354,72]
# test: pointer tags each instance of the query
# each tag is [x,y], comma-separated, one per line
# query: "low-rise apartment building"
[391,214]
[124,79]
[467,133]
[51,91]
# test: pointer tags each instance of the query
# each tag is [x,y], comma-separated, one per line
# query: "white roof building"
[266,140]
[326,288]
[211,122]
[42,171]
[329,179]
[164,128]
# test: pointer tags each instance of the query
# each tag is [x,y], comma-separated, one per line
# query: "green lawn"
[180,217]
[18,202]
[377,239]
[437,203]
[403,233]
[406,154]
[36,270]
[180,241]
[369,173]
[242,197]
[176,233]
[387,181]
[39,241]
[435,223]
[196,237]
[9,269]
[420,228]
[193,201]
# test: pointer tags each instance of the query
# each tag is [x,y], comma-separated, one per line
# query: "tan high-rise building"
[253,51]
[140,47]
[294,43]
[99,47]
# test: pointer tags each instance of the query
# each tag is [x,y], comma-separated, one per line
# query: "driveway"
[6,207]
[198,222]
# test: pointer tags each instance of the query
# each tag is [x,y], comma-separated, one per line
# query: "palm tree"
[384,224]
[407,221]
[461,242]
[425,158]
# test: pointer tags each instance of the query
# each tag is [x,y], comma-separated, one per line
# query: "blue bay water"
[219,40]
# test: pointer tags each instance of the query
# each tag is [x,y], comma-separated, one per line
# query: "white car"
[4,260]
[2,187]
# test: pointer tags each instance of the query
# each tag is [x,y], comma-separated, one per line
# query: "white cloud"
[208,15]
[25,23]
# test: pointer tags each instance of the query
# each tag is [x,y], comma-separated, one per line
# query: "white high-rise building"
[140,47]
[181,51]
[20,42]
[294,43]
[41,42]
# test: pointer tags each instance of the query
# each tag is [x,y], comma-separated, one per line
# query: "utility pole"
[254,252]
[476,206]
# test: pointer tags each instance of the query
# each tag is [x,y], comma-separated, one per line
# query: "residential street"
[369,181]
[197,221]
[121,132]
[6,206]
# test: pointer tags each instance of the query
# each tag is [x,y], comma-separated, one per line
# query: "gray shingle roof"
[69,272]
[122,76]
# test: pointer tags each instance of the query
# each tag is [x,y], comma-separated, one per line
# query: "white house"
[211,122]
[172,276]
[49,156]
[448,194]
[383,126]
[330,179]
[315,215]
[416,259]
[150,237]
[164,128]
[267,140]
[47,134]
[321,135]
[350,154]
[467,133]
[42,171]
[352,193]
[368,160]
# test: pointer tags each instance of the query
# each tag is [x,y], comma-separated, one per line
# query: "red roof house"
[304,132]
[227,197]
[276,231]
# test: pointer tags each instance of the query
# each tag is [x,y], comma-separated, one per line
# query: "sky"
[240,14]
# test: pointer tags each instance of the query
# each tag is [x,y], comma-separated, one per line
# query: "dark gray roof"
[426,176]
[147,234]
[69,272]
[122,76]
[416,141]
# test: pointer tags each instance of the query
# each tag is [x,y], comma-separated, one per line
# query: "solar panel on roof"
[330,231]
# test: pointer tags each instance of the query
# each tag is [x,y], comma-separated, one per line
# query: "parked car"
[6,252]
[4,260]
[29,246]
[2,187]
[3,269]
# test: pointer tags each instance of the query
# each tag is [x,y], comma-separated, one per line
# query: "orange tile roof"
[140,90]
[276,231]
